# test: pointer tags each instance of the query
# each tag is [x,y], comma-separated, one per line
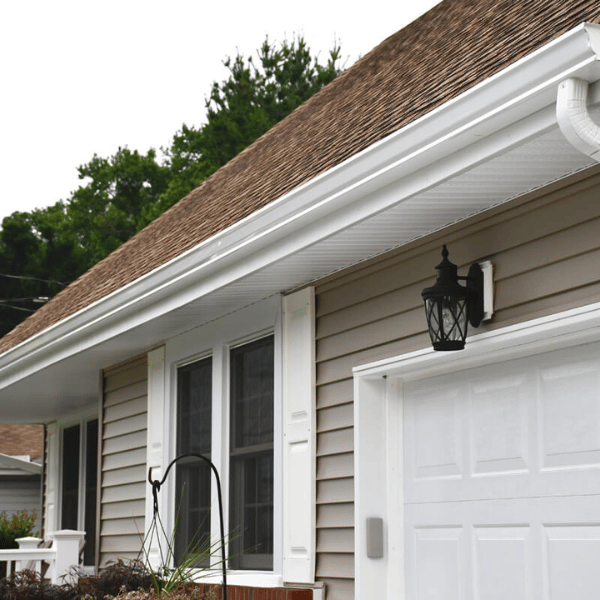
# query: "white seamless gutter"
[574,119]
[444,142]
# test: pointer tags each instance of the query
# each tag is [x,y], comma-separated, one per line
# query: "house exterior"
[21,454]
[272,320]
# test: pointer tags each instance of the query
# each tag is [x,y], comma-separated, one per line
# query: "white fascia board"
[12,462]
[497,114]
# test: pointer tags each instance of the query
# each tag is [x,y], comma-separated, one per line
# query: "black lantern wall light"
[450,307]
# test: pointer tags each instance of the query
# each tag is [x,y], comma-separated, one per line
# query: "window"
[251,455]
[250,401]
[194,407]
[79,467]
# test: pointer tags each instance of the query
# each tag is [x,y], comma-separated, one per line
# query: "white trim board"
[378,399]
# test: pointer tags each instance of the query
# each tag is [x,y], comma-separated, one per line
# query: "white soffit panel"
[499,180]
[542,160]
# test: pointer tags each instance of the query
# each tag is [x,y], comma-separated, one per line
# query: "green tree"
[116,202]
[37,257]
[121,194]
[256,96]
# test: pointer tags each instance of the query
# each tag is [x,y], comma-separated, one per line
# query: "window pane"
[70,475]
[193,480]
[251,492]
[91,473]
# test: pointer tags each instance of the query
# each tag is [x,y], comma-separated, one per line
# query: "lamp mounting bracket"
[474,281]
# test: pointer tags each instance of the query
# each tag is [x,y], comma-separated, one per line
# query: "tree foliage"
[43,250]
[256,96]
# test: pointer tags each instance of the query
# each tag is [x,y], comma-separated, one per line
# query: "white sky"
[81,77]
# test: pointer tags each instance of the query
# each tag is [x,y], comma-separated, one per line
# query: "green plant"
[20,524]
[167,578]
[174,573]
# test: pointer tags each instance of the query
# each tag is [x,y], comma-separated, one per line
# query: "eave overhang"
[12,465]
[495,142]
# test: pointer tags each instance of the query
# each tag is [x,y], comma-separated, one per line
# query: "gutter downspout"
[574,119]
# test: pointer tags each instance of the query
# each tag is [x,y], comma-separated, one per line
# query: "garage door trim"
[378,431]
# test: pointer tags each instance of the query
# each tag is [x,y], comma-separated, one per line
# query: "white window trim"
[55,455]
[378,427]
[81,420]
[215,339]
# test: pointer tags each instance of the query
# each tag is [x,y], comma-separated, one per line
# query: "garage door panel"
[569,409]
[500,411]
[438,563]
[518,429]
[572,567]
[435,440]
[498,551]
[542,548]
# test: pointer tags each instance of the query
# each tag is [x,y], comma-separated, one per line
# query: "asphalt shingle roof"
[434,59]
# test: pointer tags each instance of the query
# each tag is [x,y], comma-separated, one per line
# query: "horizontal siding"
[21,493]
[131,457]
[338,589]
[335,417]
[125,526]
[125,426]
[126,374]
[123,476]
[545,249]
[123,510]
[128,442]
[335,490]
[340,564]
[330,516]
[335,540]
[335,466]
[332,394]
[123,410]
[127,393]
[335,442]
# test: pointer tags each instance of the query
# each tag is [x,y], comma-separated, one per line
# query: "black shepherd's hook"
[156,487]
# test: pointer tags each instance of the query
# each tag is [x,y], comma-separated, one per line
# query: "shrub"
[20,524]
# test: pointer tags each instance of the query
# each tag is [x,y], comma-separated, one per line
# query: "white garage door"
[502,480]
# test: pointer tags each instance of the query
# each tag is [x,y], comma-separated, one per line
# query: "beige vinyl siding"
[123,460]
[546,254]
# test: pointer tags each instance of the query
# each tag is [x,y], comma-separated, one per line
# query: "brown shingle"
[447,51]
[21,440]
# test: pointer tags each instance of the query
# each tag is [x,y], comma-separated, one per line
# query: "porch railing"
[60,557]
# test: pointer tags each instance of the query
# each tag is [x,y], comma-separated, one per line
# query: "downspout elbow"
[574,119]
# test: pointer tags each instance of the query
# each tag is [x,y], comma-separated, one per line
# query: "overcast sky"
[86,76]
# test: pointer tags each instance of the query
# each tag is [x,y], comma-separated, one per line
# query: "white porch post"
[27,543]
[67,544]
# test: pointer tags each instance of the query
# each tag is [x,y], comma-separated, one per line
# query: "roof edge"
[18,463]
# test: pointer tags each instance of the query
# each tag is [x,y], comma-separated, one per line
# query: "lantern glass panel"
[447,320]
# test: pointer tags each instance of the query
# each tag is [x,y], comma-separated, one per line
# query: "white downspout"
[574,119]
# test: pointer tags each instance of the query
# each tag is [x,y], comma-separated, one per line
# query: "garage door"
[502,480]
